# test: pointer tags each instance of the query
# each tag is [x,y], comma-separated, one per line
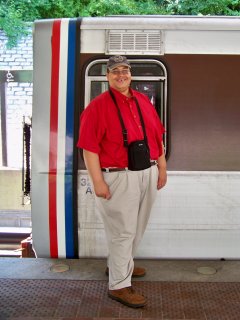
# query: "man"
[123,197]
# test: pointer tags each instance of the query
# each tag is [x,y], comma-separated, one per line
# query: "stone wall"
[18,95]
[18,105]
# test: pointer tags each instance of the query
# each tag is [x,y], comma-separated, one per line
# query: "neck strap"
[124,130]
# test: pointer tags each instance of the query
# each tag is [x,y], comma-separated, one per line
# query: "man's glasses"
[118,72]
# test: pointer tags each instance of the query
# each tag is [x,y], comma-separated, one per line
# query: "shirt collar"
[122,96]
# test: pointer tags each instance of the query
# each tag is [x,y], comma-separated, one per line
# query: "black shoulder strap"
[124,130]
[141,118]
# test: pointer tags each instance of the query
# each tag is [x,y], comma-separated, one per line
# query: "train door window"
[148,76]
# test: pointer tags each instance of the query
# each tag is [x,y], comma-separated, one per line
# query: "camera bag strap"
[124,130]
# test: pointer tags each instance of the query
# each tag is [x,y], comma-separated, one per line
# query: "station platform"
[67,289]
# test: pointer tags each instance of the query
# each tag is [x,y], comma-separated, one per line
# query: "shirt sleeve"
[159,133]
[90,131]
[160,128]
[157,126]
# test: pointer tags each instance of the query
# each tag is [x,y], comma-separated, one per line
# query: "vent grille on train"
[134,42]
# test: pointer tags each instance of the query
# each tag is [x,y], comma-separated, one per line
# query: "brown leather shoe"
[137,272]
[128,297]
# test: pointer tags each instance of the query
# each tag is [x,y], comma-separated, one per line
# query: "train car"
[189,68]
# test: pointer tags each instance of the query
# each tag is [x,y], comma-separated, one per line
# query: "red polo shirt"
[101,132]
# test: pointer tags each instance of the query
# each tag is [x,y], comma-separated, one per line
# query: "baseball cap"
[116,61]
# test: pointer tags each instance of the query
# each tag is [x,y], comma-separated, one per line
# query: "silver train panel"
[40,141]
[197,215]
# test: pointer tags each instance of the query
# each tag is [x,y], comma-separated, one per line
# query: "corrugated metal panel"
[134,42]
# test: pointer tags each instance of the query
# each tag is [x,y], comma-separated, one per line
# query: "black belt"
[152,162]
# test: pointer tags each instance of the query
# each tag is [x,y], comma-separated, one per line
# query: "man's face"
[119,78]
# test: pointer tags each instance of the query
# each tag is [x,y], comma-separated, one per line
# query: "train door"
[149,76]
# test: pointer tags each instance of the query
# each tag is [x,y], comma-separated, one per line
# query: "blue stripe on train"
[69,221]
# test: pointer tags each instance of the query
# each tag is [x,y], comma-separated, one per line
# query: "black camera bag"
[138,151]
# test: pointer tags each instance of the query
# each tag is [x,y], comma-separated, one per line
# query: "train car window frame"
[161,81]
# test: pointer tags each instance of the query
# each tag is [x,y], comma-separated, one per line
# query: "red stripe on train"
[53,140]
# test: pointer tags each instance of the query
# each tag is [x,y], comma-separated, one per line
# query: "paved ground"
[40,289]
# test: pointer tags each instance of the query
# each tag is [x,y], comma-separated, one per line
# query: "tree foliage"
[124,7]
[16,15]
[11,22]
[207,7]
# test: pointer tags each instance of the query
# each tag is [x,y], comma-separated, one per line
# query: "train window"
[148,69]
[154,90]
[98,87]
[99,69]
[148,76]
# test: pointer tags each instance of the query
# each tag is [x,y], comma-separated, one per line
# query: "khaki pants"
[125,218]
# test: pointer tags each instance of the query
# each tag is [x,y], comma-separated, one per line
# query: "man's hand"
[162,178]
[92,162]
[162,170]
[101,190]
